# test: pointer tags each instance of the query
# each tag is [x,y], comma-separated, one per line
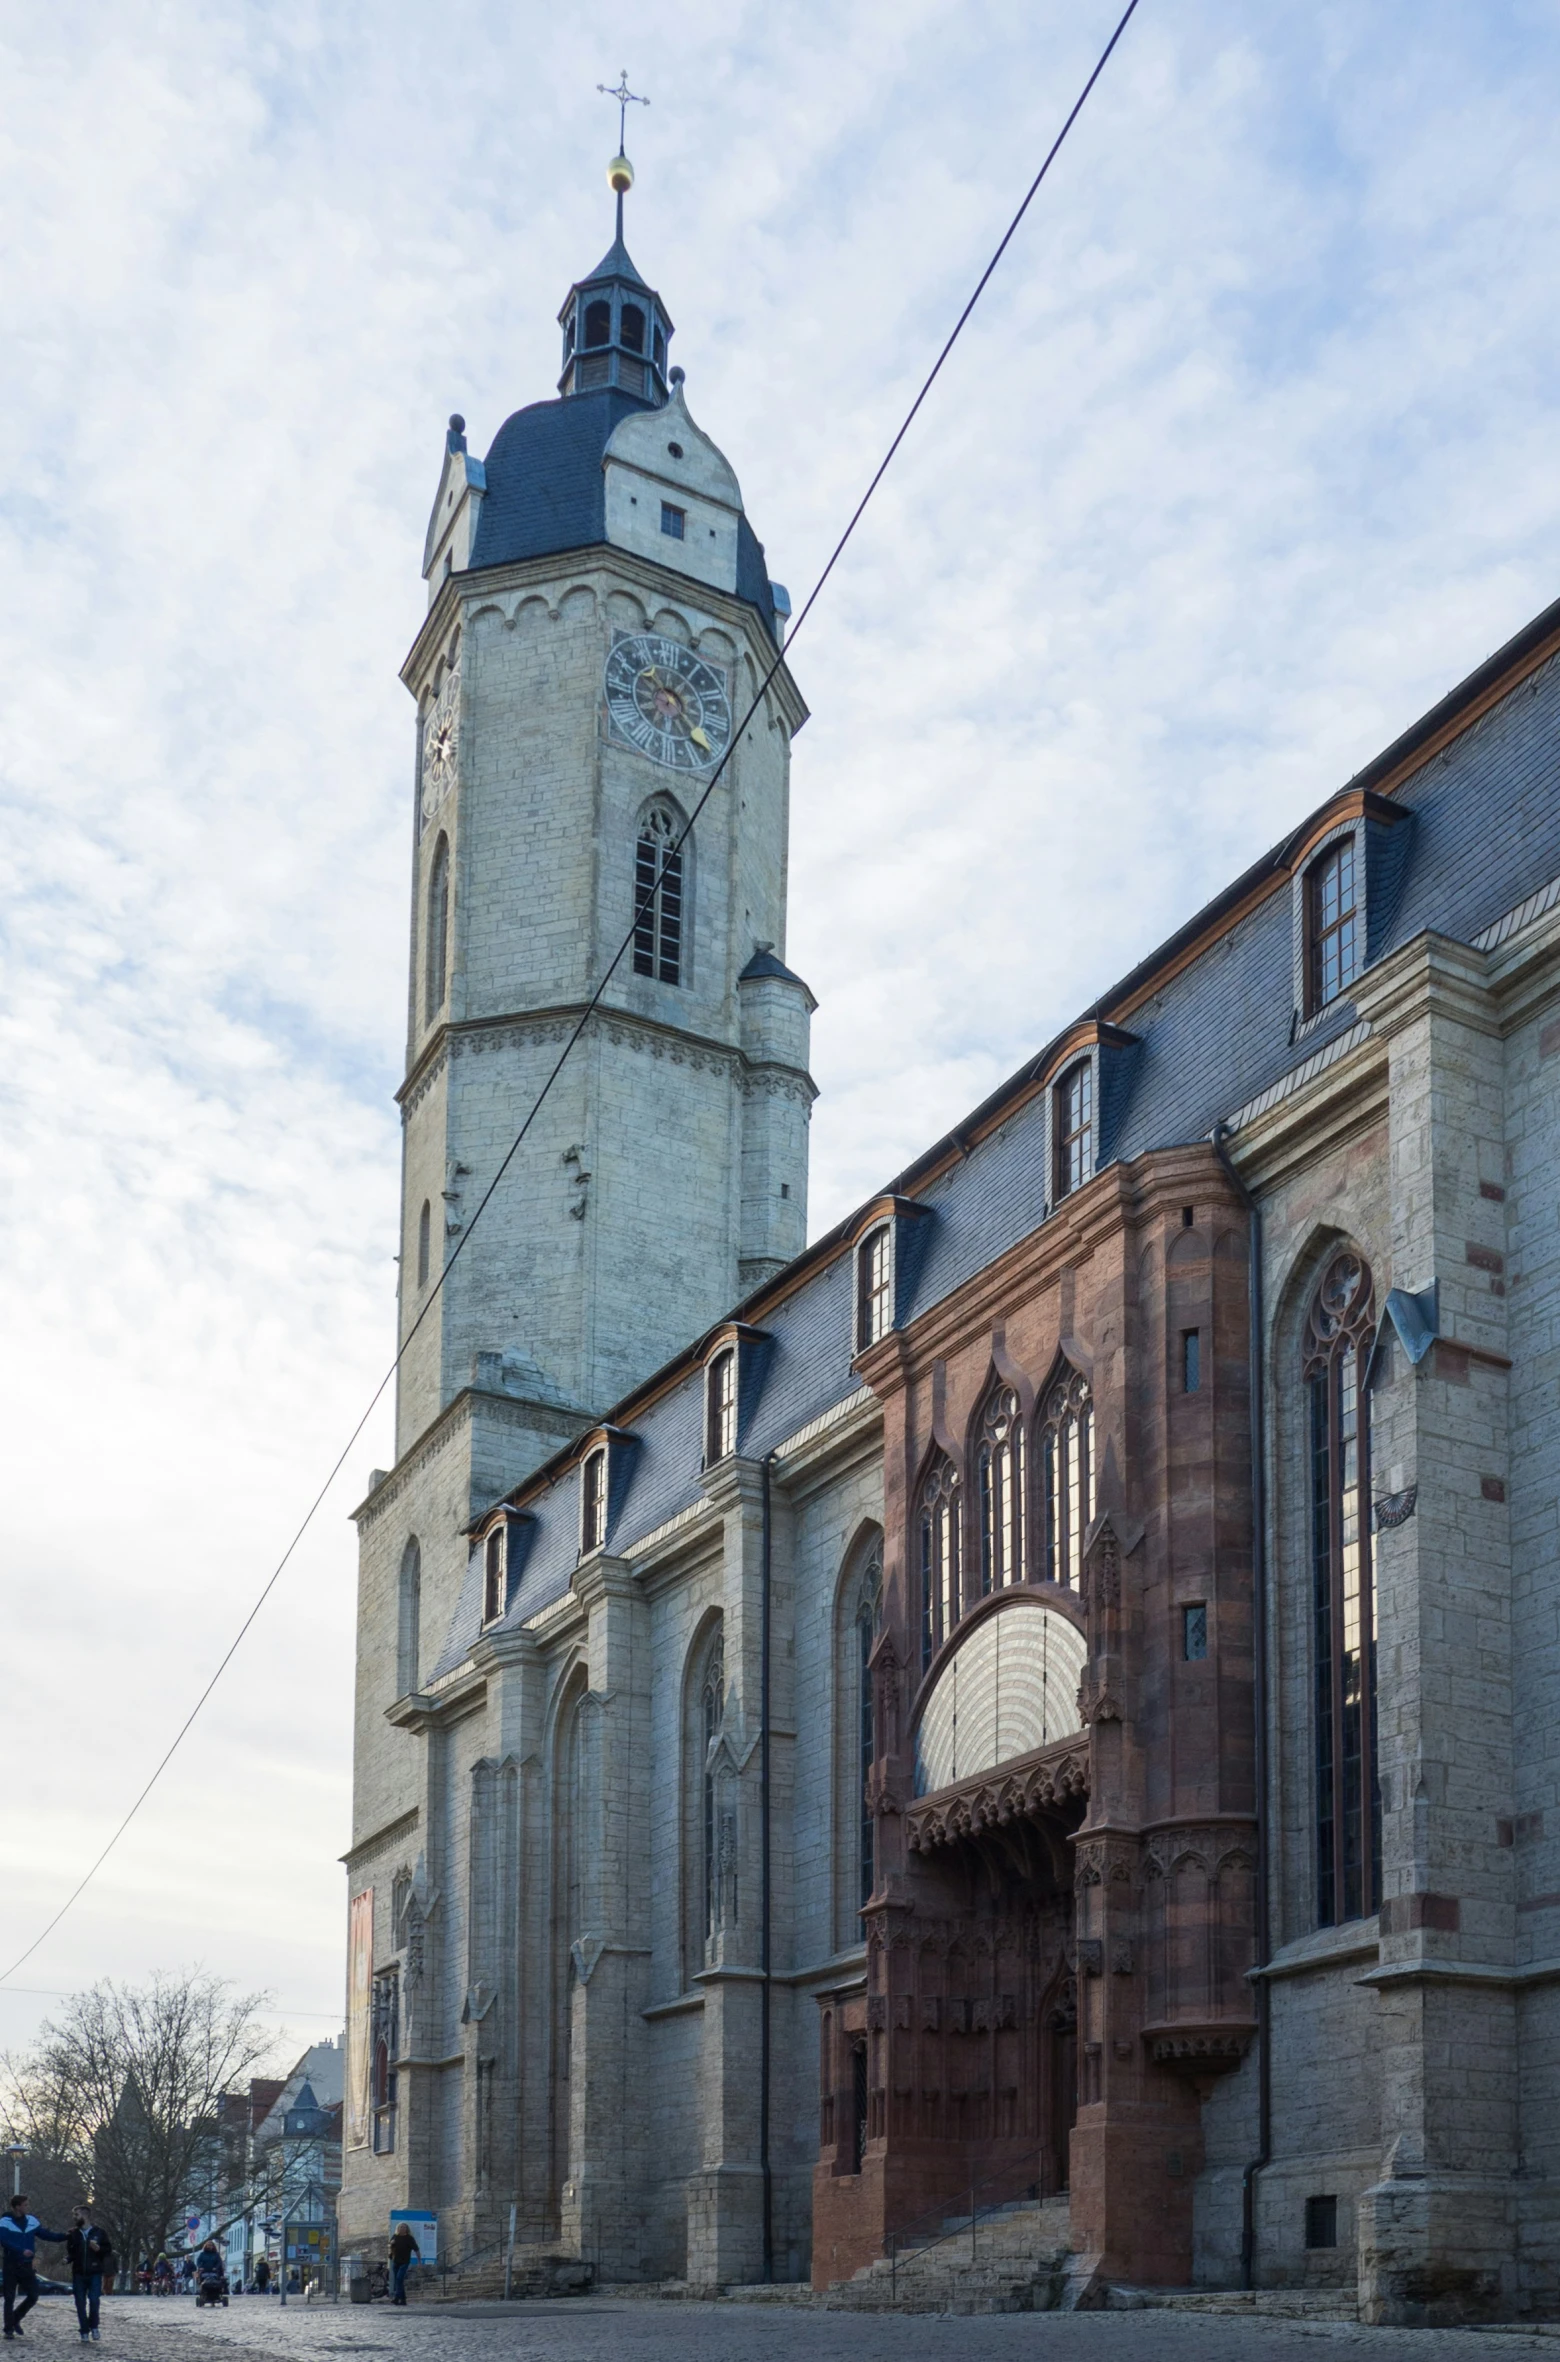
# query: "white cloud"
[1246,457]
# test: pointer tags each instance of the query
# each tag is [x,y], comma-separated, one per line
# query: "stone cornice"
[1431,976]
[362,1848]
[473,1036]
[461,595]
[603,1576]
[1341,1098]
[465,1692]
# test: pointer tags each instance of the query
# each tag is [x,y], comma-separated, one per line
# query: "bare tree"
[125,2089]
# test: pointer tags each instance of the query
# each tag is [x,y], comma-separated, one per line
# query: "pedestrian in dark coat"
[91,2254]
[19,2236]
[402,2249]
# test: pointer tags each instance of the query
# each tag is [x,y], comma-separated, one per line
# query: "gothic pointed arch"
[663,891]
[998,1460]
[1065,1472]
[436,932]
[858,1610]
[703,1785]
[939,1531]
[1339,1329]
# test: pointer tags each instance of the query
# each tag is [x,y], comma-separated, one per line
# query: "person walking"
[19,2236]
[91,2253]
[402,2249]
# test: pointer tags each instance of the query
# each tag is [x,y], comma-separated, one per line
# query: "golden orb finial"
[620,174]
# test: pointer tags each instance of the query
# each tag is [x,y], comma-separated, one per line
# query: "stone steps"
[537,2271]
[1016,2261]
[1268,2304]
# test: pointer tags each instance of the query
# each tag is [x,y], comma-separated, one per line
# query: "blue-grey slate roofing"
[546,492]
[1484,834]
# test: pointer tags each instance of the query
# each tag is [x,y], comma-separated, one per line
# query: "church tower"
[600,619]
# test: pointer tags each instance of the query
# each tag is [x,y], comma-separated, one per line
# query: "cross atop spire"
[626,98]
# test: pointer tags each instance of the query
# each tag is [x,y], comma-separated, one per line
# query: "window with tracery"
[384,2035]
[1066,1477]
[436,975]
[712,1712]
[1338,1335]
[874,1288]
[940,1555]
[1074,1104]
[658,897]
[999,1469]
[1332,925]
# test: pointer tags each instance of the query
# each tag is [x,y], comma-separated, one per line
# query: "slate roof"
[1484,836]
[546,492]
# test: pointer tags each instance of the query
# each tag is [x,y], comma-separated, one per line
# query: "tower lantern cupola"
[615,328]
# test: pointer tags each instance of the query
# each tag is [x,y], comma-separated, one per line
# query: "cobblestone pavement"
[607,2329]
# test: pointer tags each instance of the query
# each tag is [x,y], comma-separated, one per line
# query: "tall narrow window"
[1332,925]
[658,897]
[437,947]
[874,1288]
[384,2029]
[1348,1793]
[494,1578]
[939,1557]
[408,1620]
[593,1502]
[721,1432]
[1074,1104]
[424,1243]
[598,323]
[712,1710]
[1067,1478]
[631,328]
[999,1462]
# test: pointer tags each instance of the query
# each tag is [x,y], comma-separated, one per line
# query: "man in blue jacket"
[19,2236]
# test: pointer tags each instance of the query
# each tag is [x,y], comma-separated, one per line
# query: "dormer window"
[1073,1104]
[1332,925]
[874,1287]
[495,1575]
[598,323]
[593,1501]
[720,1427]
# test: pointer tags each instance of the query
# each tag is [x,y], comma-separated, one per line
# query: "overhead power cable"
[644,903]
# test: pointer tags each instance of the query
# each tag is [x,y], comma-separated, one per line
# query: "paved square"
[615,2329]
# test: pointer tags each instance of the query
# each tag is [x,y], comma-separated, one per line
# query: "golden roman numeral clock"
[667,703]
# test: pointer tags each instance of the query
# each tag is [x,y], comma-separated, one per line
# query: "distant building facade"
[1046,1688]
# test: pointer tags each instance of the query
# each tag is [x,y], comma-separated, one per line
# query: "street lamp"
[16,2152]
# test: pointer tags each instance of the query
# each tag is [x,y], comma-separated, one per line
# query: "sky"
[1247,456]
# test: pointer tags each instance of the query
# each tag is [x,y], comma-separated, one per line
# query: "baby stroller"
[211,2287]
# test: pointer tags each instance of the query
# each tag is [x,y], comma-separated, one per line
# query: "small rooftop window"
[1332,926]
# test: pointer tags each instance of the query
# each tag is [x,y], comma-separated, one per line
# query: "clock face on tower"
[441,744]
[667,703]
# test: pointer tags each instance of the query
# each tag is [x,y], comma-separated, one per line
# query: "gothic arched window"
[436,971]
[658,896]
[408,1619]
[1066,1477]
[940,1554]
[999,1462]
[868,1609]
[424,1243]
[712,1711]
[1338,1336]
